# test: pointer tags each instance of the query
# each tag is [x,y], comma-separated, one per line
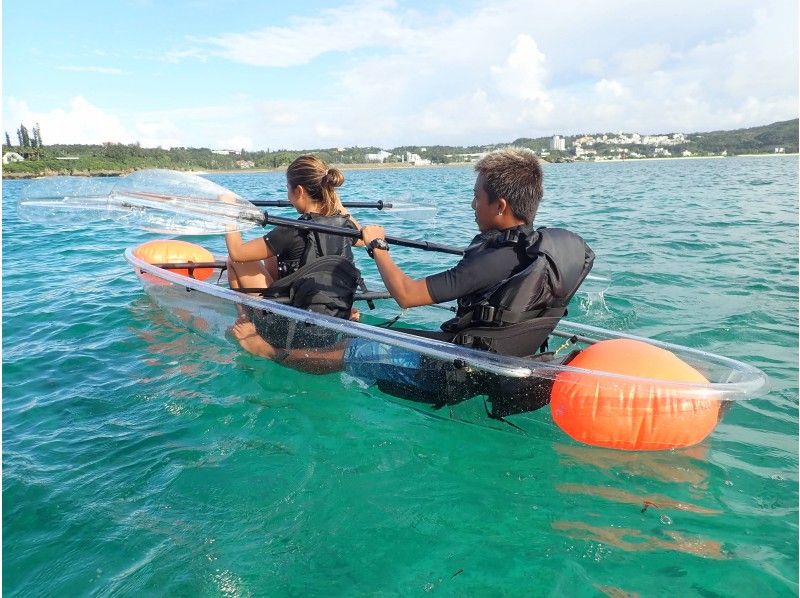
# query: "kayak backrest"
[327,285]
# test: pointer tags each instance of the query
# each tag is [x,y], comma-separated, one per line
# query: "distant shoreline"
[386,166]
[365,166]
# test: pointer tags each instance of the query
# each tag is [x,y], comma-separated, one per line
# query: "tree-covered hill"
[114,158]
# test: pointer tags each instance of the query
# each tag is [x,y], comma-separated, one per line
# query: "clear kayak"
[603,388]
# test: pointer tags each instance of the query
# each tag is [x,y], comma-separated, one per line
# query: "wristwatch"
[377,244]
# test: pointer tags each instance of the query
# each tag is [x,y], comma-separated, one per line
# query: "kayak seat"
[326,286]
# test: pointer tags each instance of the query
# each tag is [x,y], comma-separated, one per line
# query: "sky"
[258,75]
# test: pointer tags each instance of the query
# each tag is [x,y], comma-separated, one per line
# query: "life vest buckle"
[483,314]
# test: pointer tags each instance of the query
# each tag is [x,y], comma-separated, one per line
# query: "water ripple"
[142,460]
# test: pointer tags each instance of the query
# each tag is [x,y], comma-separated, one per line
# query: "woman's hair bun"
[332,178]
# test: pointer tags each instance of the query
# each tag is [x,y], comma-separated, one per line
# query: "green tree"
[37,136]
[24,137]
[8,141]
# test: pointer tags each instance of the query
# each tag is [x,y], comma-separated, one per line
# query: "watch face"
[379,244]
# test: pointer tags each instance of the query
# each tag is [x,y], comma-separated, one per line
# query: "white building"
[558,143]
[9,157]
[415,159]
[379,157]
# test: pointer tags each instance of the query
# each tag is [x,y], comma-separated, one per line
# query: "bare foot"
[246,334]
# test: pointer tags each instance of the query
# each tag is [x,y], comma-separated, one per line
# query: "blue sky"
[258,75]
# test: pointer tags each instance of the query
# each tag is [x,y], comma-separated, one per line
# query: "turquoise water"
[139,459]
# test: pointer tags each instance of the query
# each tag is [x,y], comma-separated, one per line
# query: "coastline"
[376,166]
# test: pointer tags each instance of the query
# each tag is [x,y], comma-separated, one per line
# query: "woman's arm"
[360,242]
[238,250]
[251,251]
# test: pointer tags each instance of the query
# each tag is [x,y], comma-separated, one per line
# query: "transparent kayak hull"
[430,371]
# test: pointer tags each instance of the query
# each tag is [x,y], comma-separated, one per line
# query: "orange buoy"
[633,414]
[173,251]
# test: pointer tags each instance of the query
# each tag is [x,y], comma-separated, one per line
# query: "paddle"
[166,201]
[170,202]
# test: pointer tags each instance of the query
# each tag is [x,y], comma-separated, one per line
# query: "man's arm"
[407,291]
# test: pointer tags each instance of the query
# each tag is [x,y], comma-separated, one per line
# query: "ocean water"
[140,459]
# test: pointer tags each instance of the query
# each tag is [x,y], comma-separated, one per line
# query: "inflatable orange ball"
[630,414]
[173,251]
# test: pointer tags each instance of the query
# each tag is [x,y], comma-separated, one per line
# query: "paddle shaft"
[354,234]
[282,203]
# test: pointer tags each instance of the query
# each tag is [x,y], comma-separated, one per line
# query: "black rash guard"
[289,243]
[480,269]
[286,243]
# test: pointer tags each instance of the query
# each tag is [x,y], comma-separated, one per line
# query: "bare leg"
[323,360]
[249,275]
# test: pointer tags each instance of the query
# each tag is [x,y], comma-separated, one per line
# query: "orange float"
[173,251]
[632,414]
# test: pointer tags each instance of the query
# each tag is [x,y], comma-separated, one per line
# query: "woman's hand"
[228,197]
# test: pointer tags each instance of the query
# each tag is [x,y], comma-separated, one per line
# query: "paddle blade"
[49,199]
[158,200]
[409,209]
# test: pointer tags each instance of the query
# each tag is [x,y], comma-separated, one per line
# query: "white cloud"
[642,60]
[611,88]
[485,73]
[523,75]
[91,69]
[332,30]
[236,142]
[81,122]
[158,132]
[176,56]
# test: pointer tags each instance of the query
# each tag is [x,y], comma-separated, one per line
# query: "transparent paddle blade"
[158,200]
[410,209]
[80,199]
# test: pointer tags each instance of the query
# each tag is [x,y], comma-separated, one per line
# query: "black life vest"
[319,244]
[325,279]
[327,285]
[516,316]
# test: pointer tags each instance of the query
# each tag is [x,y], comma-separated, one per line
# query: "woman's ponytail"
[319,181]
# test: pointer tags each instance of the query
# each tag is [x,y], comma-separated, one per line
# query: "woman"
[311,187]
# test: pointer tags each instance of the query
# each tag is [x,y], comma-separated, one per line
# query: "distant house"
[226,152]
[780,150]
[471,157]
[379,157]
[415,159]
[10,157]
[244,164]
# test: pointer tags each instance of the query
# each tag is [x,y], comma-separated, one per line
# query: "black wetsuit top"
[290,245]
[481,268]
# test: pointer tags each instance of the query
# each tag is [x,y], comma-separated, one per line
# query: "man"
[533,273]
